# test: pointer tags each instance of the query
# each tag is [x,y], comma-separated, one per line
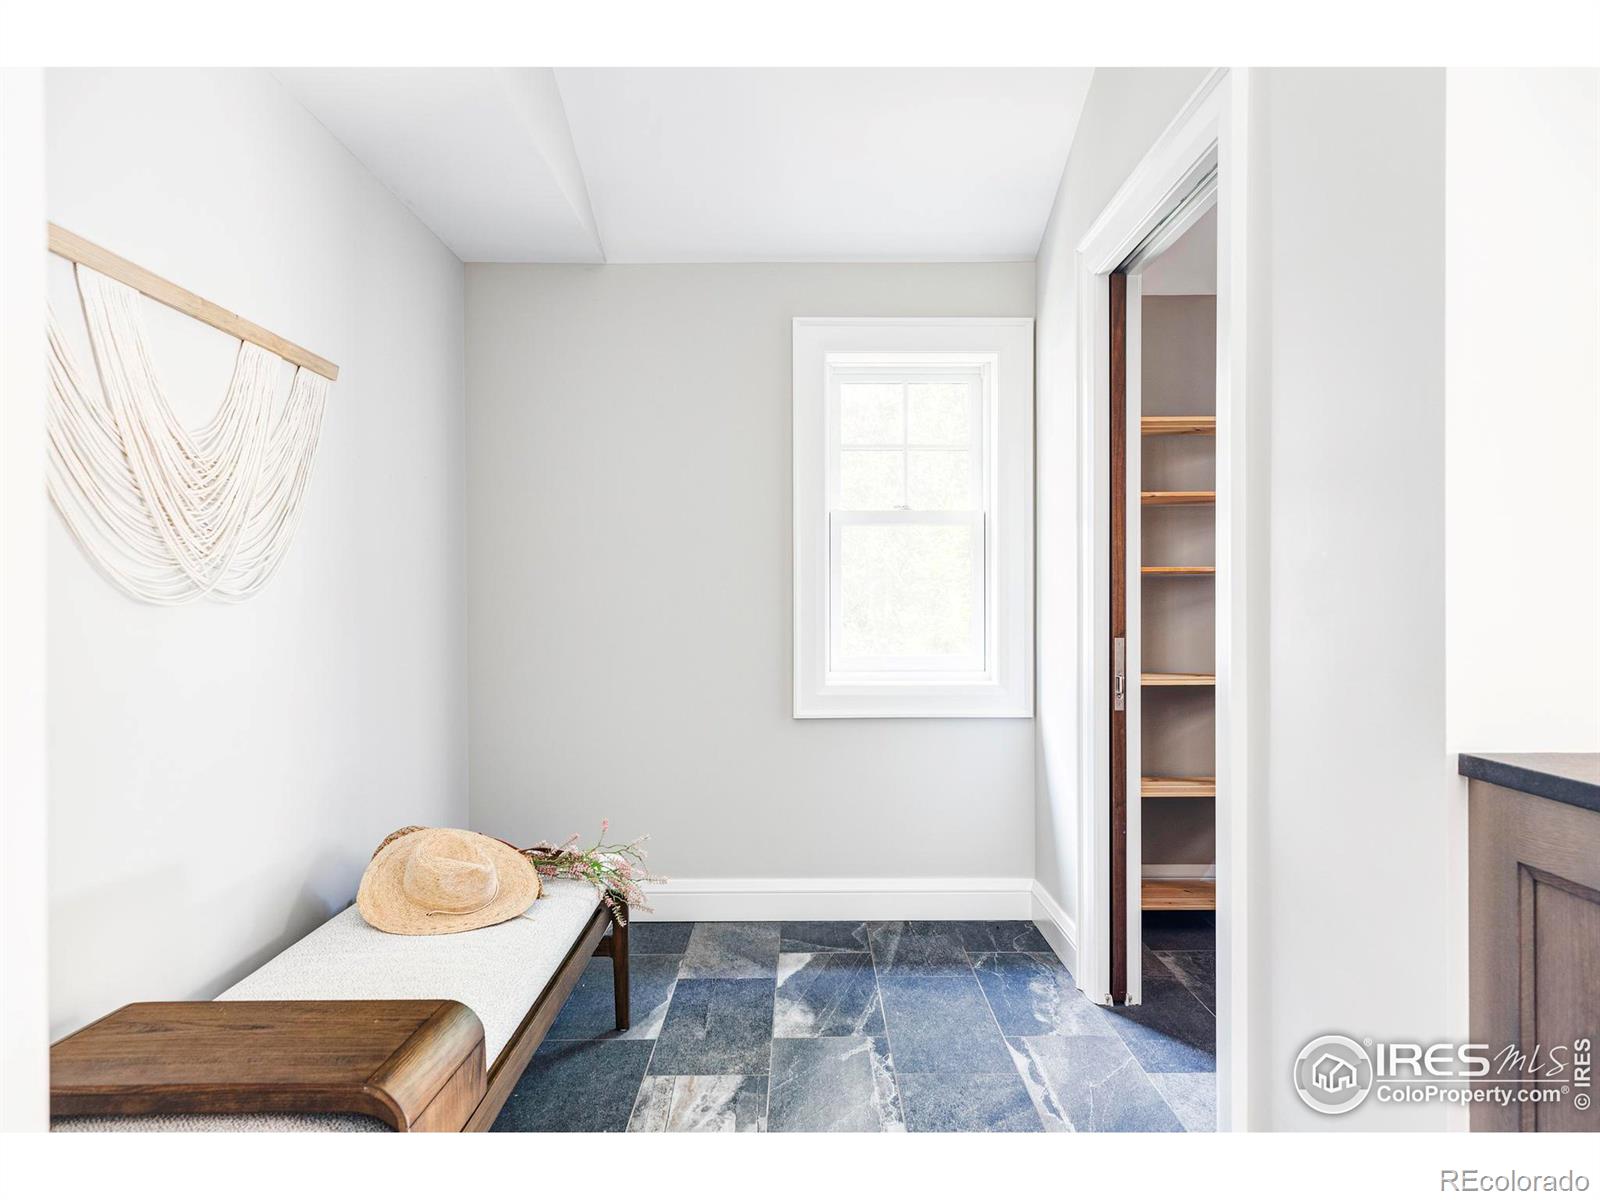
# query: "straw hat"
[444,881]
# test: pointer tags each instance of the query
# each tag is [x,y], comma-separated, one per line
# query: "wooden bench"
[513,977]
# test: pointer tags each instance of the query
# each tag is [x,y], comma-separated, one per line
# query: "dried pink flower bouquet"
[618,870]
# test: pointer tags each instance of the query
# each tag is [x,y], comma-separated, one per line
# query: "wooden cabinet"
[1534,926]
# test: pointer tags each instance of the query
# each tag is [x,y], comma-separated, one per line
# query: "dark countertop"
[1568,778]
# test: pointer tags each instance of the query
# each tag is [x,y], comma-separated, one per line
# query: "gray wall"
[630,593]
[219,774]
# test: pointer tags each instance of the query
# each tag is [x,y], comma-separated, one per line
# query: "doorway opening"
[1163,503]
[1193,178]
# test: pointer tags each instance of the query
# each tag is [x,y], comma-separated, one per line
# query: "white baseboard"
[1059,929]
[1180,870]
[952,898]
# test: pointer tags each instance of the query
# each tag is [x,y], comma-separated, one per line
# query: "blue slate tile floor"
[877,1026]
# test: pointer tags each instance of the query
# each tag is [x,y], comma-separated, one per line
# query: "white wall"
[1353,892]
[1124,113]
[24,1013]
[1523,410]
[220,774]
[630,593]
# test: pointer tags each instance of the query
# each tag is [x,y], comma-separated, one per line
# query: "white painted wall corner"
[1058,927]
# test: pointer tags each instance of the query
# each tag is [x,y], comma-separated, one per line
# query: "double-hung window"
[913,517]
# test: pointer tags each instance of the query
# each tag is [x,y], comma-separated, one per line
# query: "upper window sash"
[845,372]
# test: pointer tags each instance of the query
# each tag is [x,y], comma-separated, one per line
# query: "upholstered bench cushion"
[497,972]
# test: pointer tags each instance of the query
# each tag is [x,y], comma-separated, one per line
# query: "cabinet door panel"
[1534,942]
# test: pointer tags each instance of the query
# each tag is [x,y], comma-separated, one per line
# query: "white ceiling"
[768,165]
[712,165]
[483,156]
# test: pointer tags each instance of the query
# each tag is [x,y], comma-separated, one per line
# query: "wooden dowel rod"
[69,245]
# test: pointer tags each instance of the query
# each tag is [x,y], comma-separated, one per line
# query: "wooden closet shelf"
[1154,426]
[1179,895]
[1171,498]
[1177,570]
[1176,679]
[1177,787]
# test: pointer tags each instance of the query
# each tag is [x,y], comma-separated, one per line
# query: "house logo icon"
[1333,1074]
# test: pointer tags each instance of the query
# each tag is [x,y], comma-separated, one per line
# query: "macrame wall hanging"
[169,514]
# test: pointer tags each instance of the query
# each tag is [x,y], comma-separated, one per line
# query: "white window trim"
[1002,686]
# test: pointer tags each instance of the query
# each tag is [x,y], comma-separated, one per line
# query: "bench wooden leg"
[619,965]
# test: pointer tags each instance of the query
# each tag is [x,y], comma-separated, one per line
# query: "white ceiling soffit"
[768,165]
[711,165]
[1188,267]
[483,156]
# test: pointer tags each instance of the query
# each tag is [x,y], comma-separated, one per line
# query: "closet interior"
[1176,688]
